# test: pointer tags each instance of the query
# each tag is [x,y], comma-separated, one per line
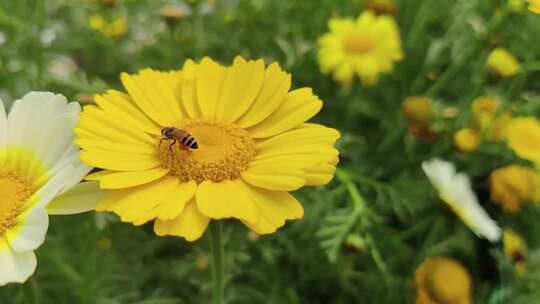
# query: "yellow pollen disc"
[358,44]
[224,152]
[14,193]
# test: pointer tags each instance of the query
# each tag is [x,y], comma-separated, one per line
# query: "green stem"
[218,266]
[472,50]
[362,208]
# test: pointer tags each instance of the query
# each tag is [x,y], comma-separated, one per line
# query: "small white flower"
[40,171]
[455,189]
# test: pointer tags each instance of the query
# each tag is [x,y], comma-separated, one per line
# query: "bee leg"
[170,148]
[160,141]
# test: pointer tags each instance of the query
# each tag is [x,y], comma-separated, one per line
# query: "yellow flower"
[388,7]
[419,114]
[511,186]
[523,136]
[254,147]
[486,120]
[534,6]
[367,46]
[466,140]
[515,248]
[440,280]
[114,29]
[502,63]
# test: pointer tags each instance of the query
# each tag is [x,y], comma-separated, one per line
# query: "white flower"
[40,173]
[455,190]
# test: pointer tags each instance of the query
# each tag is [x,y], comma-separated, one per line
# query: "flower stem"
[218,266]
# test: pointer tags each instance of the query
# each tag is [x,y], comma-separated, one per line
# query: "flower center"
[14,193]
[224,151]
[357,44]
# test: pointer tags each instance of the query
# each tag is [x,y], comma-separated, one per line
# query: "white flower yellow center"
[358,44]
[224,152]
[14,193]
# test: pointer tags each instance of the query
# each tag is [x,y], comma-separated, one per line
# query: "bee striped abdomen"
[190,142]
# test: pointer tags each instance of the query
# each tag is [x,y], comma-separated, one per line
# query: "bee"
[187,142]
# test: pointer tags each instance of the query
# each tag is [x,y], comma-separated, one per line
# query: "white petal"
[81,198]
[455,190]
[16,267]
[62,181]
[30,232]
[30,113]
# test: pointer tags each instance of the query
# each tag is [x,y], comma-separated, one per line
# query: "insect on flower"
[187,142]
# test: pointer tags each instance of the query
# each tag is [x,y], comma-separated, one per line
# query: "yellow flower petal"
[176,203]
[98,175]
[298,106]
[274,208]
[132,178]
[105,145]
[190,224]
[120,106]
[241,86]
[210,77]
[190,103]
[132,203]
[282,178]
[164,86]
[96,121]
[225,200]
[119,161]
[320,175]
[171,207]
[147,95]
[274,89]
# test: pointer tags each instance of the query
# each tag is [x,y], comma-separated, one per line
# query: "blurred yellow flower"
[485,119]
[419,114]
[523,136]
[116,28]
[254,146]
[466,140]
[502,63]
[515,248]
[441,280]
[383,7]
[173,12]
[516,5]
[367,46]
[534,6]
[483,109]
[511,186]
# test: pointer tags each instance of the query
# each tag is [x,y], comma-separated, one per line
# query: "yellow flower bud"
[419,114]
[418,110]
[442,280]
[523,136]
[511,186]
[466,140]
[485,119]
[483,109]
[515,248]
[502,63]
